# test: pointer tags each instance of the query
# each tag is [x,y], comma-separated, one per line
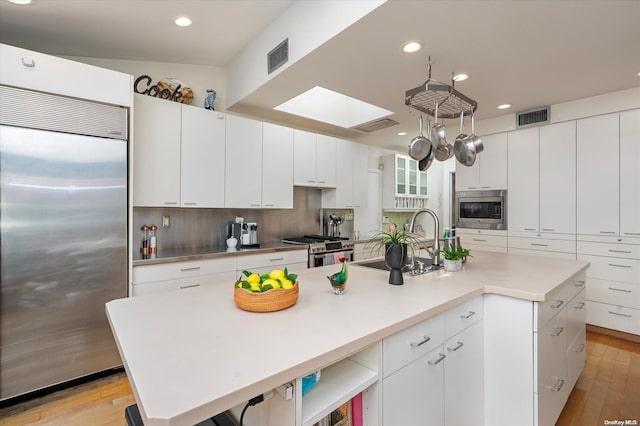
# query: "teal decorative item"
[211,97]
[339,280]
[308,382]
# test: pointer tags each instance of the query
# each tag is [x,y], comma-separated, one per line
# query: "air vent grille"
[533,117]
[278,56]
[372,126]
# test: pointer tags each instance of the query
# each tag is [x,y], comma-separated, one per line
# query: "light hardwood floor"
[609,389]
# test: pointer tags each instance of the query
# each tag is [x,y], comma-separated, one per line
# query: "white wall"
[198,77]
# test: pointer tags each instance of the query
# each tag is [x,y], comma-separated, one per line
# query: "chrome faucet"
[435,254]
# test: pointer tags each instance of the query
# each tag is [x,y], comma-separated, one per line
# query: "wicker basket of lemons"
[270,292]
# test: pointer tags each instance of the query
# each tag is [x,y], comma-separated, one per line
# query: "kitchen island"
[192,354]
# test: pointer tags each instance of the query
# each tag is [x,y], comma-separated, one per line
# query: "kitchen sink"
[381,264]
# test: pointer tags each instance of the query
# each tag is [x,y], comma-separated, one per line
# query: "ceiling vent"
[372,126]
[534,117]
[278,56]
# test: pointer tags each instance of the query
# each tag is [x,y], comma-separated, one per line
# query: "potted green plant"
[395,245]
[453,258]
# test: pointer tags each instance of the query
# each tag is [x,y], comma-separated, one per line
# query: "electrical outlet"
[165,221]
[385,219]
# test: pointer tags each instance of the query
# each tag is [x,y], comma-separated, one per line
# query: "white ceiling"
[526,53]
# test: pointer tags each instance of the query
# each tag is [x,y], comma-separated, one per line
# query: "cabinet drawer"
[614,269]
[544,244]
[462,316]
[540,253]
[272,259]
[483,240]
[576,317]
[576,286]
[614,293]
[550,345]
[628,251]
[545,311]
[472,247]
[613,317]
[408,345]
[576,358]
[223,278]
[180,270]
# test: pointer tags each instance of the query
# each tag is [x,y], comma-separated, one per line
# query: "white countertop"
[191,354]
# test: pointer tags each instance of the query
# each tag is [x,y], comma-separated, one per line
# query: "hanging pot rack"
[451,103]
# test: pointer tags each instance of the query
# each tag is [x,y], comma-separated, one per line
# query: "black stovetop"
[311,239]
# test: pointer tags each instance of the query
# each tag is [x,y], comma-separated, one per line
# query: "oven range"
[324,250]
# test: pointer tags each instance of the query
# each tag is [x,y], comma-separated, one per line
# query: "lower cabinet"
[443,386]
[481,239]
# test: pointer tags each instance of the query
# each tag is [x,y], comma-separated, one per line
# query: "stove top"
[319,244]
[312,239]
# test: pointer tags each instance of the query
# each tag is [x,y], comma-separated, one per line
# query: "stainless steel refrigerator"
[63,217]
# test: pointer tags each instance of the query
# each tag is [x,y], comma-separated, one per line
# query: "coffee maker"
[245,232]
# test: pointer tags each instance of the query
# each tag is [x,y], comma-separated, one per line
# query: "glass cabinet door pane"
[401,175]
[423,184]
[413,177]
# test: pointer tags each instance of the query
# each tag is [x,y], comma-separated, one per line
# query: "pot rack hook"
[429,68]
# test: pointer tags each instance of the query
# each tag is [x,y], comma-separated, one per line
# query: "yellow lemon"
[253,278]
[276,273]
[274,283]
[255,286]
[287,284]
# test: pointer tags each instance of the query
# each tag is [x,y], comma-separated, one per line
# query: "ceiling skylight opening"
[411,46]
[504,106]
[331,107]
[183,21]
[460,77]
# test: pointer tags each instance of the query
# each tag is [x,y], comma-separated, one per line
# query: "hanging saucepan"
[467,147]
[425,162]
[419,147]
[439,139]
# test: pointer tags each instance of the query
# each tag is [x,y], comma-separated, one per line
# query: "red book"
[356,410]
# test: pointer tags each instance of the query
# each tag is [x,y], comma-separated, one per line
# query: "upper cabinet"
[351,162]
[404,186]
[243,183]
[598,174]
[314,160]
[202,169]
[178,154]
[541,176]
[156,173]
[490,169]
[259,164]
[277,166]
[630,173]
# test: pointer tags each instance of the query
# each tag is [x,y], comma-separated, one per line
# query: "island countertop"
[192,354]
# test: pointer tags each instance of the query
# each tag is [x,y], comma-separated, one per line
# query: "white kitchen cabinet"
[202,168]
[156,171]
[293,260]
[50,74]
[524,178]
[404,186]
[598,168]
[531,361]
[277,166]
[351,177]
[481,239]
[243,163]
[630,173]
[490,169]
[314,160]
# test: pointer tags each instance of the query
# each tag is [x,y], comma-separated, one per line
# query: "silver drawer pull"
[476,239]
[631,233]
[469,315]
[548,229]
[190,204]
[558,331]
[540,245]
[311,181]
[195,268]
[579,306]
[619,266]
[486,187]
[557,304]
[579,283]
[621,289]
[114,132]
[189,286]
[456,347]
[530,229]
[607,232]
[276,259]
[322,181]
[620,251]
[424,340]
[268,205]
[619,314]
[29,64]
[580,347]
[170,203]
[437,361]
[558,386]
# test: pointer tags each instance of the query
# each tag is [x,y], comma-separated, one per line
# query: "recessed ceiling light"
[183,21]
[460,77]
[20,2]
[402,133]
[504,106]
[411,46]
[639,74]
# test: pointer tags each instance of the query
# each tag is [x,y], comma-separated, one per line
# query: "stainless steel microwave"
[481,209]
